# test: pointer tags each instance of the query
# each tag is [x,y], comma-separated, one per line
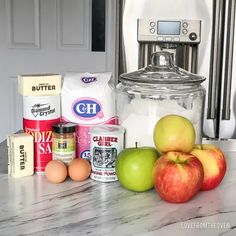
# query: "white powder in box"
[88,100]
[140,116]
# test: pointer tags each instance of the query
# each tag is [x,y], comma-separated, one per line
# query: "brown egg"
[79,169]
[56,171]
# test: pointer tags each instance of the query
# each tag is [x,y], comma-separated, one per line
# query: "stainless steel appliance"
[215,53]
[180,37]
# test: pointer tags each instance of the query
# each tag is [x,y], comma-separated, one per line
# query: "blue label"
[86,108]
[86,154]
[88,80]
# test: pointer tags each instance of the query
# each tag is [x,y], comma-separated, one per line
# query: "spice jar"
[146,95]
[63,141]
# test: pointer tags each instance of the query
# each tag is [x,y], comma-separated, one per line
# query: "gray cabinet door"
[47,36]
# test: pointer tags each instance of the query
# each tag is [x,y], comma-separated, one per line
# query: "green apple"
[134,168]
[174,133]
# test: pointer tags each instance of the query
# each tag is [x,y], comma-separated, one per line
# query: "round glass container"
[146,95]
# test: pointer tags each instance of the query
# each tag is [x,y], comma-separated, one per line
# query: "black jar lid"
[63,127]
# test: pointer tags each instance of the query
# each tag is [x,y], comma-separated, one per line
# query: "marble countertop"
[33,206]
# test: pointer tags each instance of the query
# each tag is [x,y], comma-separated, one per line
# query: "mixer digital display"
[168,27]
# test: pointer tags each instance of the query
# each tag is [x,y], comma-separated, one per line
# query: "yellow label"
[61,145]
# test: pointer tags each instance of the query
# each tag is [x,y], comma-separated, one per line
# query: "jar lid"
[63,127]
[107,129]
[162,71]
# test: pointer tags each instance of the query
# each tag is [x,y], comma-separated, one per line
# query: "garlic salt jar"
[64,142]
[146,95]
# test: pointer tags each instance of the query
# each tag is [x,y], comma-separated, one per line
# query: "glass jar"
[146,95]
[63,142]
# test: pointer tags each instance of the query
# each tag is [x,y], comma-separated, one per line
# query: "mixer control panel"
[169,31]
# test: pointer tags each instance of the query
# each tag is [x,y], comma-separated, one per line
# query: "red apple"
[214,164]
[177,176]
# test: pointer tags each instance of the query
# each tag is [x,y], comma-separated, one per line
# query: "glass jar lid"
[162,71]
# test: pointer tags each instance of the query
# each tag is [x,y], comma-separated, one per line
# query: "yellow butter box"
[39,85]
[20,155]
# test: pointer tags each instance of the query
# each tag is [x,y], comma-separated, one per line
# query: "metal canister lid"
[107,129]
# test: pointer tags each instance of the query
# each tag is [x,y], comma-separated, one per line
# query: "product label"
[105,140]
[20,155]
[39,85]
[43,87]
[104,151]
[42,110]
[41,107]
[23,157]
[41,130]
[88,79]
[83,138]
[64,149]
[87,109]
[87,100]
[103,164]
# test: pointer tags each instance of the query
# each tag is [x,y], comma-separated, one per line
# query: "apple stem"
[177,160]
[136,144]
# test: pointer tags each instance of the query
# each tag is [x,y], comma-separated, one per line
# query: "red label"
[41,130]
[105,140]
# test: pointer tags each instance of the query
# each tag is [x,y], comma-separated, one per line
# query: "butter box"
[39,85]
[20,155]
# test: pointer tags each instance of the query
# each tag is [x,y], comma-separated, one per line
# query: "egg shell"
[79,169]
[56,171]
